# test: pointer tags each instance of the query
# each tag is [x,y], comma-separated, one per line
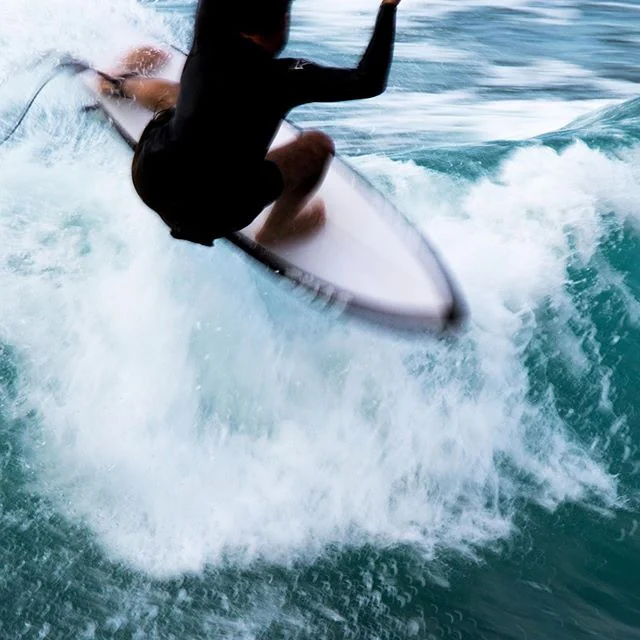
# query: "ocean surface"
[190,451]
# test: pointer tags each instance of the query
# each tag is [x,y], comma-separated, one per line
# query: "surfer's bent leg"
[154,94]
[303,164]
[133,79]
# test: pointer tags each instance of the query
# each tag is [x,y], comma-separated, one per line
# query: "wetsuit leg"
[195,200]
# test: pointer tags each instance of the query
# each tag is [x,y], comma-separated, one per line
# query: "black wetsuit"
[201,166]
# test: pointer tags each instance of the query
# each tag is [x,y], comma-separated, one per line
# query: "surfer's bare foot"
[142,61]
[310,220]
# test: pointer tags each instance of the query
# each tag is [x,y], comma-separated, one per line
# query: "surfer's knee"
[320,144]
[318,149]
[304,161]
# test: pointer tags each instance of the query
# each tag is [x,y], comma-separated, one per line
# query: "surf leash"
[68,65]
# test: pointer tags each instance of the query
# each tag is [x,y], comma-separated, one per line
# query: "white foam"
[183,423]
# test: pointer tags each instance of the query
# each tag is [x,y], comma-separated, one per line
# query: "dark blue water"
[188,451]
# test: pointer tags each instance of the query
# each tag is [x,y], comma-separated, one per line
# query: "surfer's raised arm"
[307,81]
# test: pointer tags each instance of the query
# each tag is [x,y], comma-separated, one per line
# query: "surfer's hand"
[393,3]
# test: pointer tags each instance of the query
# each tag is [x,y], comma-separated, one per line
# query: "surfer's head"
[266,22]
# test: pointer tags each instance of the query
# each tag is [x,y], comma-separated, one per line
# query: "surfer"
[203,162]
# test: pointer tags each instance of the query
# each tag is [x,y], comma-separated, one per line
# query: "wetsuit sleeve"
[306,81]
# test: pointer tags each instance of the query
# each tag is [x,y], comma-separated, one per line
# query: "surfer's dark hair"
[260,17]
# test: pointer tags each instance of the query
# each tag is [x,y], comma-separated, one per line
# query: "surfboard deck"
[367,259]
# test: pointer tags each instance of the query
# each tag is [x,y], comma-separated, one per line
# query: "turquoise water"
[188,451]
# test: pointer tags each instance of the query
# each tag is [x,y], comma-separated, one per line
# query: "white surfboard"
[367,259]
